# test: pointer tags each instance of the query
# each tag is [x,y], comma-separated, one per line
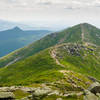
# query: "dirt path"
[82,29]
[12,62]
[53,55]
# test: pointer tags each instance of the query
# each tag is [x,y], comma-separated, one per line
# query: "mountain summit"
[17,28]
[81,33]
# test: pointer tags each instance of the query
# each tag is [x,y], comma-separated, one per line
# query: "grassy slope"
[40,68]
[87,61]
[33,69]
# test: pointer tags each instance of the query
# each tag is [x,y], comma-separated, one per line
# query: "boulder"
[95,88]
[28,89]
[4,89]
[40,93]
[7,96]
[90,96]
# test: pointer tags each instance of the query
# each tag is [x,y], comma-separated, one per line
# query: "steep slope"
[15,38]
[82,33]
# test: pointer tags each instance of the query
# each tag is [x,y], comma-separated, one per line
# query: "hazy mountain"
[5,25]
[15,38]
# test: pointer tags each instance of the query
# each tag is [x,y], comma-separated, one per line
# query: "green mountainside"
[66,62]
[41,69]
[82,33]
[58,68]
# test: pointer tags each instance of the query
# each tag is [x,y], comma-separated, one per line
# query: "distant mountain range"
[15,38]
[5,25]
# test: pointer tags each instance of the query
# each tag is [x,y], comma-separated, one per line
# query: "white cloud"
[50,10]
[71,3]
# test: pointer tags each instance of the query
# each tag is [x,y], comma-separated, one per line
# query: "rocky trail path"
[53,55]
[82,30]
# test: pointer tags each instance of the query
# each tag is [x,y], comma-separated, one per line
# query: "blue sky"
[51,12]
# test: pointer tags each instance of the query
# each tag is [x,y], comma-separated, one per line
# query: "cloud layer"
[70,3]
[50,10]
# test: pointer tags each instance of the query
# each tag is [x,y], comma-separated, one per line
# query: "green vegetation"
[39,68]
[71,35]
[42,68]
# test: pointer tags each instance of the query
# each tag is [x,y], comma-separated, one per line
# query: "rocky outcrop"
[41,92]
[6,96]
[38,93]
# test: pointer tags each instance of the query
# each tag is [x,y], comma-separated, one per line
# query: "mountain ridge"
[67,62]
[70,35]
